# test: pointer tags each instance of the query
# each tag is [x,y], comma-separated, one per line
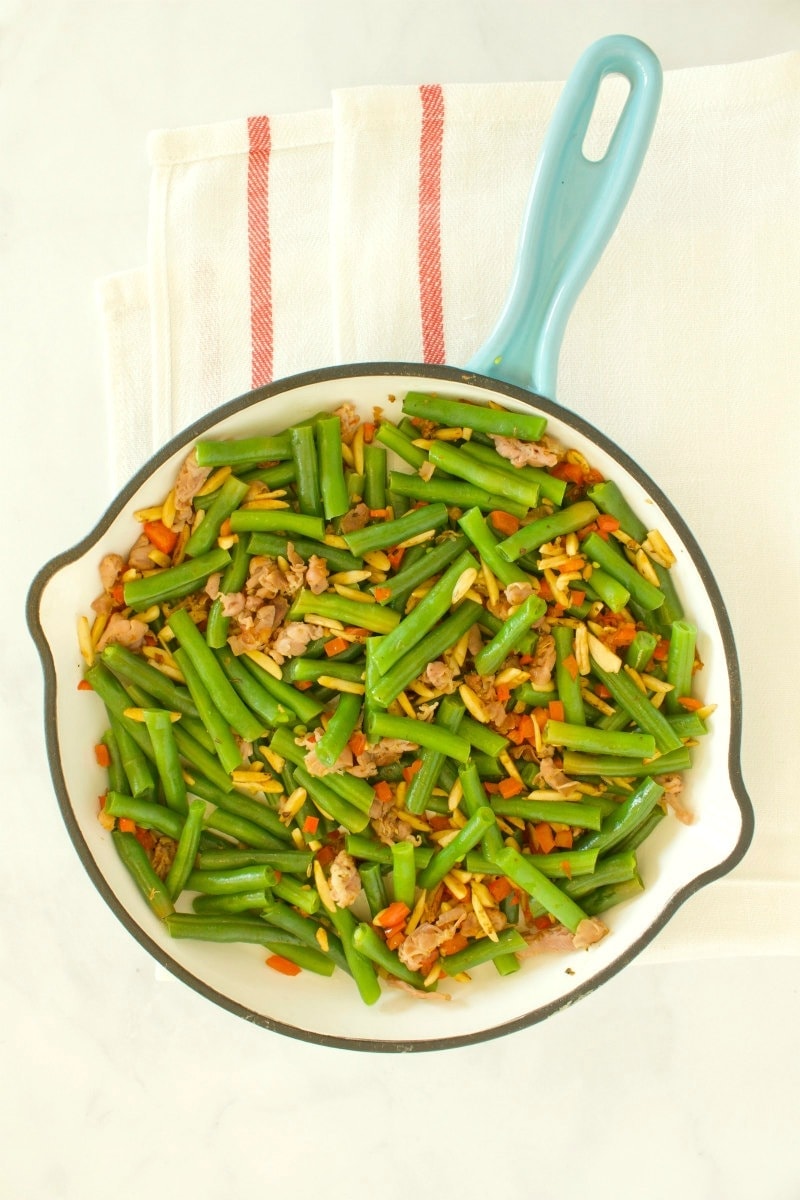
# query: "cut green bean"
[137,862]
[584,765]
[330,803]
[373,617]
[566,864]
[568,682]
[550,488]
[117,779]
[403,446]
[397,588]
[599,741]
[173,583]
[274,545]
[242,451]
[371,946]
[186,851]
[361,967]
[446,858]
[619,824]
[422,618]
[165,748]
[370,850]
[526,425]
[563,812]
[545,529]
[449,716]
[301,704]
[453,492]
[241,830]
[627,695]
[508,638]
[372,882]
[225,745]
[509,941]
[473,798]
[335,498]
[605,587]
[404,873]
[303,442]
[412,664]
[252,693]
[278,520]
[233,579]
[236,902]
[384,534]
[490,479]
[521,871]
[680,664]
[241,805]
[374,476]
[219,687]
[301,895]
[340,728]
[615,564]
[272,477]
[291,862]
[484,541]
[135,765]
[146,813]
[235,879]
[302,670]
[132,668]
[422,733]
[641,649]
[483,737]
[204,535]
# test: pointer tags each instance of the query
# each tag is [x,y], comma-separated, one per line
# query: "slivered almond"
[342,685]
[322,887]
[214,481]
[492,586]
[645,567]
[473,704]
[349,577]
[148,514]
[137,714]
[456,886]
[85,640]
[168,510]
[264,660]
[582,657]
[354,594]
[463,584]
[417,911]
[657,548]
[376,559]
[604,657]
[483,920]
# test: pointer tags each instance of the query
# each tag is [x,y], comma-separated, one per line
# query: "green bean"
[618,867]
[599,741]
[615,564]
[484,541]
[422,733]
[449,715]
[441,638]
[173,583]
[373,617]
[235,879]
[393,533]
[273,545]
[219,687]
[186,850]
[451,492]
[272,477]
[251,691]
[361,968]
[528,426]
[641,649]
[137,862]
[521,871]
[509,941]
[241,805]
[601,899]
[204,535]
[680,664]
[340,728]
[236,452]
[236,902]
[291,862]
[422,618]
[627,695]
[403,446]
[507,640]
[688,725]
[584,765]
[567,864]
[198,759]
[473,798]
[225,745]
[480,474]
[278,520]
[135,766]
[374,888]
[227,927]
[619,824]
[605,587]
[331,803]
[303,442]
[533,697]
[371,850]
[447,856]
[242,830]
[404,873]
[165,748]
[563,812]
[300,703]
[117,779]
[568,683]
[371,946]
[545,529]
[132,668]
[305,929]
[351,788]
[550,488]
[430,562]
[483,737]
[642,831]
[146,813]
[300,895]
[233,579]
[355,488]
[374,476]
[335,499]
[301,670]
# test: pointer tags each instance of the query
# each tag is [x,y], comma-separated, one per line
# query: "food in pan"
[399,697]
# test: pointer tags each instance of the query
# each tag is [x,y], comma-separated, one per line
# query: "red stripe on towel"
[430,231]
[261,327]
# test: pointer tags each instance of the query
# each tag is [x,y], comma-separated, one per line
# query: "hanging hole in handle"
[611,98]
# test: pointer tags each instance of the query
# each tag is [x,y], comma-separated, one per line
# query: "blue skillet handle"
[573,208]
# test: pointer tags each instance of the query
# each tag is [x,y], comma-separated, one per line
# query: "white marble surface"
[673,1079]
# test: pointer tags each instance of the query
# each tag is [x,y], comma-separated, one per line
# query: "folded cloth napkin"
[679,348]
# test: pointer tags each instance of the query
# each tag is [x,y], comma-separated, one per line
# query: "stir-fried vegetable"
[400,699]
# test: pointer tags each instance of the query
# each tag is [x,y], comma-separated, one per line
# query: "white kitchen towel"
[399,219]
